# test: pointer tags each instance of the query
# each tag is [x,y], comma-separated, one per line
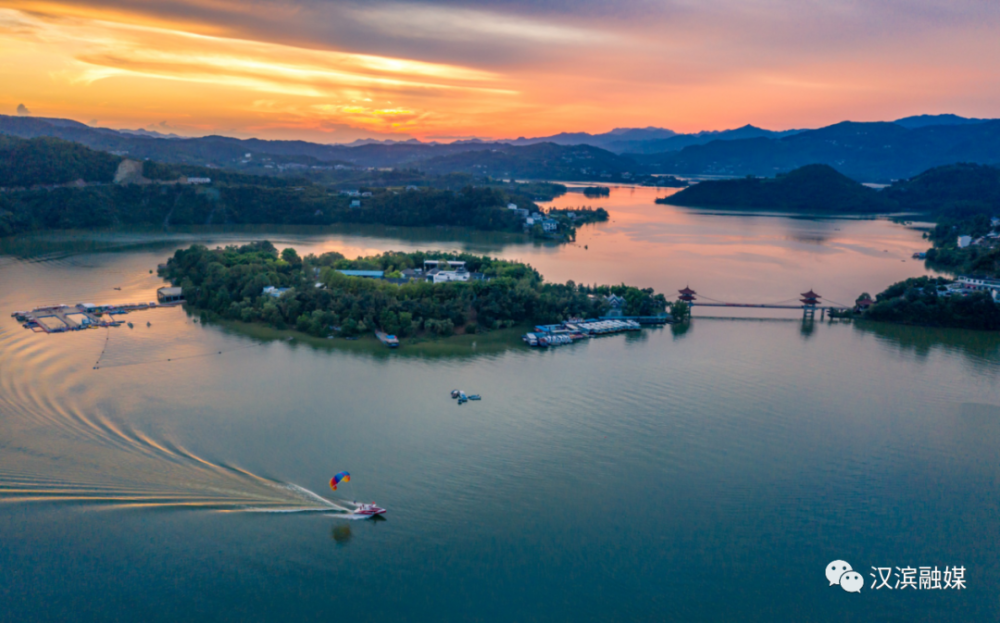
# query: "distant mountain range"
[617,140]
[868,152]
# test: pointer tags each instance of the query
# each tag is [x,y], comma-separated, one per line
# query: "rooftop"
[374,274]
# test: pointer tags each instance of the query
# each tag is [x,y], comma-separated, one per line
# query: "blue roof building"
[373,274]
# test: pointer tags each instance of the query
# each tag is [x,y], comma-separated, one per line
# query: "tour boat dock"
[574,330]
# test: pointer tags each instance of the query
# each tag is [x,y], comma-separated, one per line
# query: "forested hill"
[539,161]
[815,188]
[956,190]
[47,161]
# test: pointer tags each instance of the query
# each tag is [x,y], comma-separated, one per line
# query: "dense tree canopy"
[229,283]
[181,204]
[48,161]
[917,301]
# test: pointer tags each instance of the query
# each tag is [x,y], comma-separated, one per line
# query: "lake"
[699,473]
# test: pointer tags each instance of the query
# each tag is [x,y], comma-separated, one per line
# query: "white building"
[511,206]
[964,241]
[978,284]
[430,265]
[550,225]
[445,276]
[356,203]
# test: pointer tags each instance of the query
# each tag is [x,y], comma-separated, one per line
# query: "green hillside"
[813,188]
[47,161]
[956,190]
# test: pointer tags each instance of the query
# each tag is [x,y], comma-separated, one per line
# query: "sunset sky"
[333,71]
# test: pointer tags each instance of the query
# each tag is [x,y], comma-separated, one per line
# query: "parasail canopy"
[339,478]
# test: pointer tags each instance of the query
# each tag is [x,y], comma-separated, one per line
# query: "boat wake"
[63,442]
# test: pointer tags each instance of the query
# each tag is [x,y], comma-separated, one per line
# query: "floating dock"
[63,318]
[574,330]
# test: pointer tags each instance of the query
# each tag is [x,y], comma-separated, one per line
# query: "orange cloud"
[339,70]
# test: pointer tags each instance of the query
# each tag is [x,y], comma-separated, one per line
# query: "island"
[419,294]
[815,188]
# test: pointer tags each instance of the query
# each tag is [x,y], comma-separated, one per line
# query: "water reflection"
[341,533]
[979,348]
[680,329]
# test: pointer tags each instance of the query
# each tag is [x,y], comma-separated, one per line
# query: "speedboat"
[368,510]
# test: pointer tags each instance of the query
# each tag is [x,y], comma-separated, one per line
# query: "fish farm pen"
[63,318]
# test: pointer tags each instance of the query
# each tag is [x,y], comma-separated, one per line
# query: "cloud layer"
[337,70]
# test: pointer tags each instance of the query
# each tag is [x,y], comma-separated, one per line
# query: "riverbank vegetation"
[314,298]
[48,183]
[925,301]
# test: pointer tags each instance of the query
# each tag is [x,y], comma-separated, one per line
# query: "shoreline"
[493,342]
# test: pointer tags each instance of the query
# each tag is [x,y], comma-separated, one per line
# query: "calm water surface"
[706,474]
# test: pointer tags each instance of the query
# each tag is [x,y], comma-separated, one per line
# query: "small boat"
[149,324]
[368,510]
[475,397]
[118,289]
[462,397]
[389,340]
[455,393]
[129,325]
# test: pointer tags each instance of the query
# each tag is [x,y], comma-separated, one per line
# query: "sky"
[336,71]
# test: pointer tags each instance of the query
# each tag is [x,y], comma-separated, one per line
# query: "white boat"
[368,510]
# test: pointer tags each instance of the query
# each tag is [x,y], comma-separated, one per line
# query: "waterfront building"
[169,295]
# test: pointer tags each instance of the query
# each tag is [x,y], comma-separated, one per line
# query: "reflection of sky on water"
[746,447]
[732,256]
[729,255]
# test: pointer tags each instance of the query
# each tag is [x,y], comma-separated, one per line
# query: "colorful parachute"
[339,478]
